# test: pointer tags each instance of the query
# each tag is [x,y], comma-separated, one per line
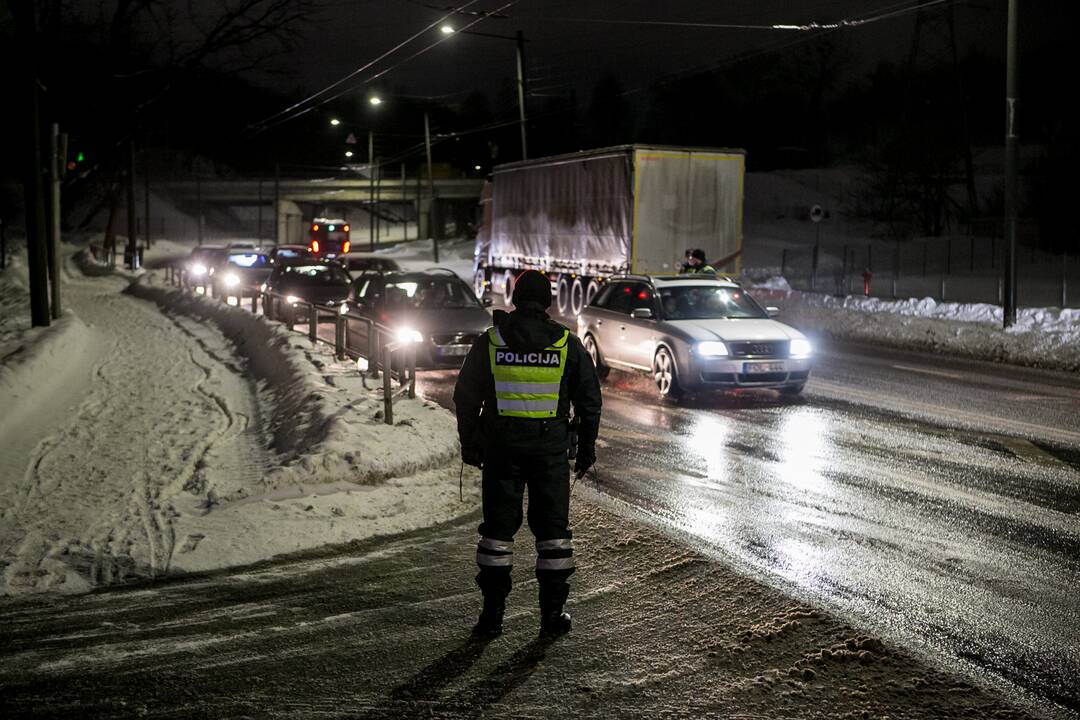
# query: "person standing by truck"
[695,263]
[513,399]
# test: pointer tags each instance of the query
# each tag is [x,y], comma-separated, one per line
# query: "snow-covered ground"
[1041,337]
[154,432]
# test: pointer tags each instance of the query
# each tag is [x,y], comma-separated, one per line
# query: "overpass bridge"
[293,202]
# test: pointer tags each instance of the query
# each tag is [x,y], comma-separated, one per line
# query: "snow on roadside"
[1041,337]
[344,474]
[191,436]
[455,255]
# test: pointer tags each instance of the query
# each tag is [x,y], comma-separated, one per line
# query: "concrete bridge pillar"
[290,223]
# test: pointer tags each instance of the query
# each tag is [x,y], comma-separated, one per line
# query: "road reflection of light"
[708,438]
[800,561]
[804,449]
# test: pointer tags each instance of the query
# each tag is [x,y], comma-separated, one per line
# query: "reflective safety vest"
[527,383]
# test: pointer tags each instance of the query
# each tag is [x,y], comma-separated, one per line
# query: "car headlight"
[232,279]
[408,335]
[711,348]
[292,299]
[198,269]
[800,348]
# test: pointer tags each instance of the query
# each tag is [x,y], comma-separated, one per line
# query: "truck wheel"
[507,286]
[590,290]
[562,294]
[577,296]
[665,375]
[594,352]
[480,283]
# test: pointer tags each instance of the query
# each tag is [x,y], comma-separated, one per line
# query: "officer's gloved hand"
[586,457]
[472,455]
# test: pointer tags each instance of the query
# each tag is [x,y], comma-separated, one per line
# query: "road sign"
[817,213]
[351,140]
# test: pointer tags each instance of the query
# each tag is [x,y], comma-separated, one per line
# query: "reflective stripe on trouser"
[554,554]
[494,553]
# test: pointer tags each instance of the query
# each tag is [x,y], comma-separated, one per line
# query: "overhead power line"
[785,27]
[365,66]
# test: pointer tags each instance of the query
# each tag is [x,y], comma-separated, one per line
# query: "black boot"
[554,623]
[491,618]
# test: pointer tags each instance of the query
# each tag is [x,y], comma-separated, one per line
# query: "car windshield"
[325,274]
[249,260]
[424,293]
[704,302]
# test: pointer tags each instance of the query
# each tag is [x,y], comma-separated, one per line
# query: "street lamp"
[348,153]
[375,100]
[519,39]
[335,122]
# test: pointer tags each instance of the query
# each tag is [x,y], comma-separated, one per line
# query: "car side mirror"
[772,310]
[641,313]
[487,302]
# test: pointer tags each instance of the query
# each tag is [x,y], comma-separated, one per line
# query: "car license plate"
[454,350]
[750,368]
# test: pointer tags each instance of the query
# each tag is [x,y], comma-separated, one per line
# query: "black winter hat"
[533,286]
[697,253]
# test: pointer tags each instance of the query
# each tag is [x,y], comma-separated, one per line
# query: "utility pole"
[431,190]
[146,198]
[1012,101]
[198,209]
[132,245]
[521,93]
[55,160]
[258,230]
[277,203]
[25,12]
[405,215]
[371,188]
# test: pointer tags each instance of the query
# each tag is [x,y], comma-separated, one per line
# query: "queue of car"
[690,333]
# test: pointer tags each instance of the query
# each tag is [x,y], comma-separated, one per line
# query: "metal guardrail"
[381,351]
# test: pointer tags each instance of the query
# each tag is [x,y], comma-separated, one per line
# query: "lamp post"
[1012,101]
[519,40]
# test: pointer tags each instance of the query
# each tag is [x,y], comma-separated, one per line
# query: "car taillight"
[346,246]
[314,246]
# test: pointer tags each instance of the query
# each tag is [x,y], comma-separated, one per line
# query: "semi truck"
[583,217]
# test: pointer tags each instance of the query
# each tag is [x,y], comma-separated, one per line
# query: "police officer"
[695,263]
[513,399]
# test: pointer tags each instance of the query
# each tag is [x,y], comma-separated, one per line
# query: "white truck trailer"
[583,217]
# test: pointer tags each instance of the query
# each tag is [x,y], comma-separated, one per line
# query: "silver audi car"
[693,333]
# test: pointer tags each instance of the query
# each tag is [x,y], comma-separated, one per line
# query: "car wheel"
[562,294]
[590,291]
[791,390]
[577,297]
[480,282]
[594,352]
[665,375]
[507,287]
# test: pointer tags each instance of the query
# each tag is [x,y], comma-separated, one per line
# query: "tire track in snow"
[96,498]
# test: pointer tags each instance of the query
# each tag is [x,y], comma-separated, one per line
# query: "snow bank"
[329,431]
[31,369]
[455,255]
[1041,337]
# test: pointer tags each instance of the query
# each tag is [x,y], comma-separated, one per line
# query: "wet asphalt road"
[934,500]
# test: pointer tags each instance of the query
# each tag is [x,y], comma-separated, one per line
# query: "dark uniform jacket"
[479,424]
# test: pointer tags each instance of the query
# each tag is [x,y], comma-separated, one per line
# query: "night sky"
[566,50]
